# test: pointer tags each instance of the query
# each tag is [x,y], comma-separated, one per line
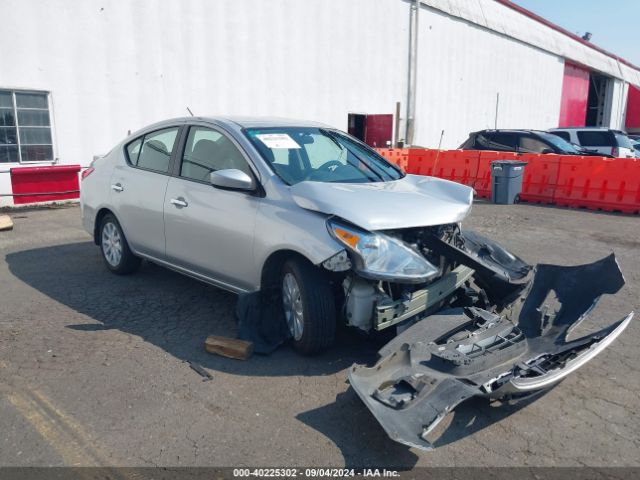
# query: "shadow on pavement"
[165,308]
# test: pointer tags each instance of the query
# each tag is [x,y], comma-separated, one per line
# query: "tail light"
[615,151]
[87,172]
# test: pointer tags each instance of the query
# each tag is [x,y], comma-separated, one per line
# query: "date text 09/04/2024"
[313,472]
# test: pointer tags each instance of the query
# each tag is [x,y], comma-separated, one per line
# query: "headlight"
[382,257]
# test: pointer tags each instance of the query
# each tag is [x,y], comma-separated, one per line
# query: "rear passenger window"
[133,150]
[596,139]
[497,141]
[154,150]
[533,145]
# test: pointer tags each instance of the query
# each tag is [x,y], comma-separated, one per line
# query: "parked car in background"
[635,140]
[521,141]
[598,139]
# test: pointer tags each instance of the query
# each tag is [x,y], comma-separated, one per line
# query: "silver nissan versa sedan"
[333,232]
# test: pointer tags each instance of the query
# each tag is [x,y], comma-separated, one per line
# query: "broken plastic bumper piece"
[445,359]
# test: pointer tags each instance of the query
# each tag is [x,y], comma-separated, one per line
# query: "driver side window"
[208,150]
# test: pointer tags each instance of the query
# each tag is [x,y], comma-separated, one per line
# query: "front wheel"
[114,247]
[309,306]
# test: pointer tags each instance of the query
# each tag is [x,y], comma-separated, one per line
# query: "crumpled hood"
[413,201]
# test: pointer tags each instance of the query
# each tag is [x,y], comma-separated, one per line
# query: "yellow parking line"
[71,423]
[58,429]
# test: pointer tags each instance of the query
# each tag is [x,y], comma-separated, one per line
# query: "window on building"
[25,127]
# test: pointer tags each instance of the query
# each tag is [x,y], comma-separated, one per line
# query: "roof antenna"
[190,112]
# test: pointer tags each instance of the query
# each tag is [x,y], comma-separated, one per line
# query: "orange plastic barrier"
[460,166]
[422,161]
[610,184]
[397,156]
[540,177]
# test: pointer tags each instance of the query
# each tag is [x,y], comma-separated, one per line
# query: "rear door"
[210,231]
[138,188]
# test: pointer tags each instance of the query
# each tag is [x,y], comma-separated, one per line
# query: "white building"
[77,75]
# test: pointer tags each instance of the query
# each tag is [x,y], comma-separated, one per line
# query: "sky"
[615,24]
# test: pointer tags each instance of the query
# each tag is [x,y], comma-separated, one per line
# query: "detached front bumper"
[445,359]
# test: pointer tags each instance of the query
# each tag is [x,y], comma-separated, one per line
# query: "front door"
[210,231]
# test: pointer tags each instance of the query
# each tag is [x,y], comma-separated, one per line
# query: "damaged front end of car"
[473,320]
[398,277]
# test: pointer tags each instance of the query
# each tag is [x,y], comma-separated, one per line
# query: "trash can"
[506,178]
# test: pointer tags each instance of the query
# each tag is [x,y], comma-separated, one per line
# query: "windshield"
[297,154]
[624,141]
[560,143]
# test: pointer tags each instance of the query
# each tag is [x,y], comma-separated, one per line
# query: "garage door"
[575,93]
[633,110]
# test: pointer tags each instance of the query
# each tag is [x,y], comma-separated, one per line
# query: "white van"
[598,139]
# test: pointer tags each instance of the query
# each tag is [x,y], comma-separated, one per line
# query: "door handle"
[179,202]
[117,187]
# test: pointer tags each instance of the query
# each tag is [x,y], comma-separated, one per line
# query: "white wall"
[461,69]
[616,104]
[113,65]
[508,21]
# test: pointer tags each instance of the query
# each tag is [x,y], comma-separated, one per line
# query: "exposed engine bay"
[472,271]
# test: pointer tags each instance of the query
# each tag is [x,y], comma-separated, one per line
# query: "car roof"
[231,122]
[594,129]
[243,122]
[511,130]
[266,122]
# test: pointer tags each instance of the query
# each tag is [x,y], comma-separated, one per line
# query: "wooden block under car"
[6,223]
[229,347]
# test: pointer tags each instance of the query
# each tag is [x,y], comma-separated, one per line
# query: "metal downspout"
[413,63]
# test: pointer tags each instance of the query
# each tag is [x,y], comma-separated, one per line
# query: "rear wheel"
[309,306]
[114,247]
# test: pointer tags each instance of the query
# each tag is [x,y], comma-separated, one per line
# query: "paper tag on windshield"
[277,140]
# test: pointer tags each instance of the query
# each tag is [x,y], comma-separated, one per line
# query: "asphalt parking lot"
[93,366]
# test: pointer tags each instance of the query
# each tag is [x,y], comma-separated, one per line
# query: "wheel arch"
[273,266]
[96,225]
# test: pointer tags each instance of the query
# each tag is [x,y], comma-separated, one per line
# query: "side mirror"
[231,179]
[547,150]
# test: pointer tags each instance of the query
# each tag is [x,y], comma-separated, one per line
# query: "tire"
[115,250]
[314,299]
